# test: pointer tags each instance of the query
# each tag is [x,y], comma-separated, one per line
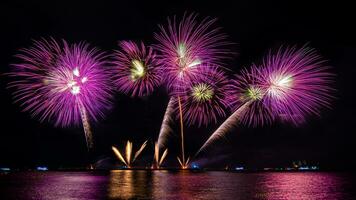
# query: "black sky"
[254,26]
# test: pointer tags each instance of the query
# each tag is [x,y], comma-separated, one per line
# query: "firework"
[136,70]
[290,84]
[128,160]
[183,48]
[185,45]
[206,97]
[159,160]
[61,83]
[297,83]
[248,99]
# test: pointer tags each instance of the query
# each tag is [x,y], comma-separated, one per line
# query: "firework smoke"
[61,83]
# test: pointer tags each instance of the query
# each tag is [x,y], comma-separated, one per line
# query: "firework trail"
[128,160]
[183,48]
[135,69]
[159,160]
[165,127]
[291,84]
[61,83]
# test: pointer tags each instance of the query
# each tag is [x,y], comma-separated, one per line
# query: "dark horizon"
[327,141]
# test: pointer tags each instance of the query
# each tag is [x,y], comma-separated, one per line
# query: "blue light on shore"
[42,168]
[195,166]
[239,168]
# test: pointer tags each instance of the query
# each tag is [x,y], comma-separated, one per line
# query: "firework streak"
[228,124]
[159,160]
[165,127]
[128,153]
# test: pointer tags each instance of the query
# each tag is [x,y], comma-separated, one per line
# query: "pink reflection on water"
[300,186]
[56,185]
[176,185]
[186,185]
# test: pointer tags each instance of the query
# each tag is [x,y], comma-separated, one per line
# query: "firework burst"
[205,98]
[64,84]
[248,97]
[185,45]
[136,70]
[297,83]
[290,84]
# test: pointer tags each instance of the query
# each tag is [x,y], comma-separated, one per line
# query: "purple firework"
[62,83]
[248,91]
[136,70]
[207,97]
[297,83]
[290,84]
[184,46]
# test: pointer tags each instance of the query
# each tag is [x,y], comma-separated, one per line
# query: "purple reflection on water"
[141,184]
[54,185]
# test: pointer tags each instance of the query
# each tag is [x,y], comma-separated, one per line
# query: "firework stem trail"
[229,123]
[163,157]
[139,151]
[181,128]
[119,155]
[165,127]
[86,126]
[157,160]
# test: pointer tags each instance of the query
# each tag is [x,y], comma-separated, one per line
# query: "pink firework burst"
[290,84]
[136,70]
[61,83]
[186,45]
[206,98]
[248,96]
[297,83]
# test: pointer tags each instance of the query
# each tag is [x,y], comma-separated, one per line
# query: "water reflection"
[53,185]
[129,184]
[302,186]
[175,185]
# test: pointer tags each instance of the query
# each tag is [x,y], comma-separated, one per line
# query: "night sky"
[254,26]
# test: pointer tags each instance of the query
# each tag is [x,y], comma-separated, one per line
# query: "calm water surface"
[126,184]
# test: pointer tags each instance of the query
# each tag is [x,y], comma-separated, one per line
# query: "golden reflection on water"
[129,184]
